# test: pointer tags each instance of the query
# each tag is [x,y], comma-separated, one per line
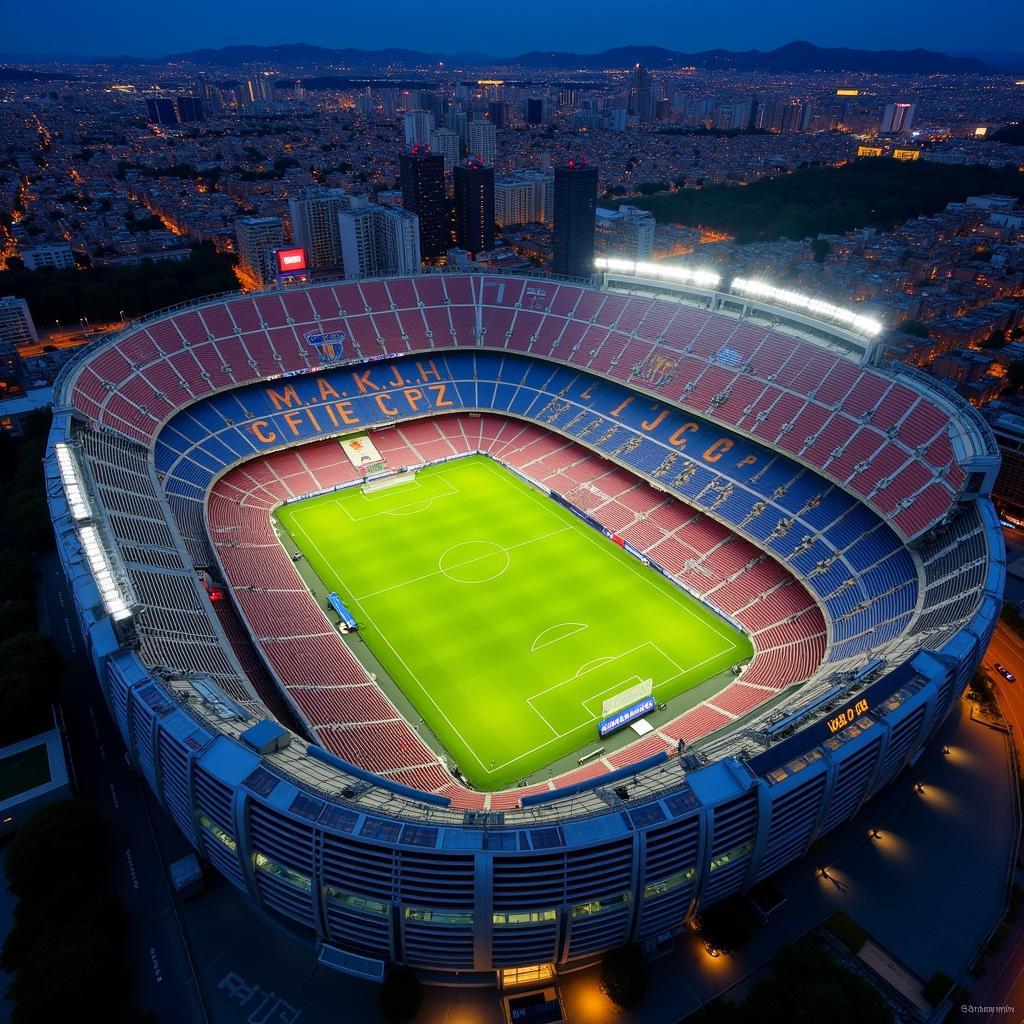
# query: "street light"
[873,833]
[919,788]
[121,313]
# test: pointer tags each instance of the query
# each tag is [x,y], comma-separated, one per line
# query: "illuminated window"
[349,899]
[218,833]
[435,916]
[519,917]
[727,858]
[600,906]
[271,867]
[668,884]
[527,975]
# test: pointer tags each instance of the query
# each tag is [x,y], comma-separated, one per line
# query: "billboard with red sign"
[291,260]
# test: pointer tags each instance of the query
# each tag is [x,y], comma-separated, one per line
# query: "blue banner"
[626,715]
[342,611]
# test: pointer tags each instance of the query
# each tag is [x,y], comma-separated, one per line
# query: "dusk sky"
[108,27]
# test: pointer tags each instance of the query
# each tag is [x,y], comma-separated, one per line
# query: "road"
[1003,984]
[158,956]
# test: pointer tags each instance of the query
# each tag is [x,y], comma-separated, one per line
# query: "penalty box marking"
[406,508]
[619,685]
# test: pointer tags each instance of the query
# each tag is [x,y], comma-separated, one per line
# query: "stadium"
[485,623]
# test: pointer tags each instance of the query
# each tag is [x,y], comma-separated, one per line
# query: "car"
[1005,672]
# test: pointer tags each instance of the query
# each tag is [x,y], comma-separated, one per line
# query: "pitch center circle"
[474,561]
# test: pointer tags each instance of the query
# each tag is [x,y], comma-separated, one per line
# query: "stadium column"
[704,835]
[240,815]
[483,910]
[823,804]
[764,826]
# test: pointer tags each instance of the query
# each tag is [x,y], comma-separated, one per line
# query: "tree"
[726,925]
[401,995]
[624,976]
[997,339]
[914,328]
[821,248]
[30,668]
[1015,374]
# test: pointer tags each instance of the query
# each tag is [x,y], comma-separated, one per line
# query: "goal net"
[384,482]
[627,697]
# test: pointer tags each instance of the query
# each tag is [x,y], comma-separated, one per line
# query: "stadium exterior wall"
[462,901]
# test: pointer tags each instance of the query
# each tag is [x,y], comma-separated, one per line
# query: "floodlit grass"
[504,619]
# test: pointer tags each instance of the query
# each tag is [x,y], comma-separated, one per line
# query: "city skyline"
[96,31]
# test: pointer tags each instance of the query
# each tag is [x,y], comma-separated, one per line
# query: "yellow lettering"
[619,408]
[717,450]
[440,402]
[345,412]
[430,370]
[413,396]
[384,404]
[678,437]
[363,382]
[266,436]
[397,382]
[312,419]
[587,392]
[747,460]
[284,399]
[651,424]
[330,415]
[293,419]
[326,391]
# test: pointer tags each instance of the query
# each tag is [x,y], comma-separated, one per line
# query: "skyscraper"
[256,240]
[474,206]
[423,194]
[160,110]
[575,203]
[314,216]
[628,233]
[16,328]
[481,141]
[641,98]
[445,142]
[898,117]
[418,125]
[535,110]
[523,197]
[378,240]
[190,109]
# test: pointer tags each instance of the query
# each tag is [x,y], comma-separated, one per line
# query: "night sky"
[110,27]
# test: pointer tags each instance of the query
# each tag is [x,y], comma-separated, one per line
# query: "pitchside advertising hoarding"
[626,715]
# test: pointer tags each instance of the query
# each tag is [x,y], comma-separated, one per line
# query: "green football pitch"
[505,620]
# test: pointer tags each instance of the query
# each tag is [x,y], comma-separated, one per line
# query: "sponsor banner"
[361,452]
[626,715]
[289,261]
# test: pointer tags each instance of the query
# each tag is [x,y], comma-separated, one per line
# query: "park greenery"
[30,664]
[66,947]
[807,984]
[812,201]
[104,293]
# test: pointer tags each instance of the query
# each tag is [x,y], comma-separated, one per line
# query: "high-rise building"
[16,328]
[190,109]
[474,206]
[496,113]
[627,233]
[378,240]
[481,141]
[456,121]
[160,110]
[536,112]
[897,118]
[257,239]
[418,125]
[575,201]
[445,142]
[423,194]
[314,216]
[524,197]
[642,96]
[57,255]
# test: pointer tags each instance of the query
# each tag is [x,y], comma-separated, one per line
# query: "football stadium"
[485,623]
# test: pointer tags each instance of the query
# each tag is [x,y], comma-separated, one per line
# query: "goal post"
[631,696]
[382,483]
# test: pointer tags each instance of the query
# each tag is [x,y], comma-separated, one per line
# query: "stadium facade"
[862,487]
